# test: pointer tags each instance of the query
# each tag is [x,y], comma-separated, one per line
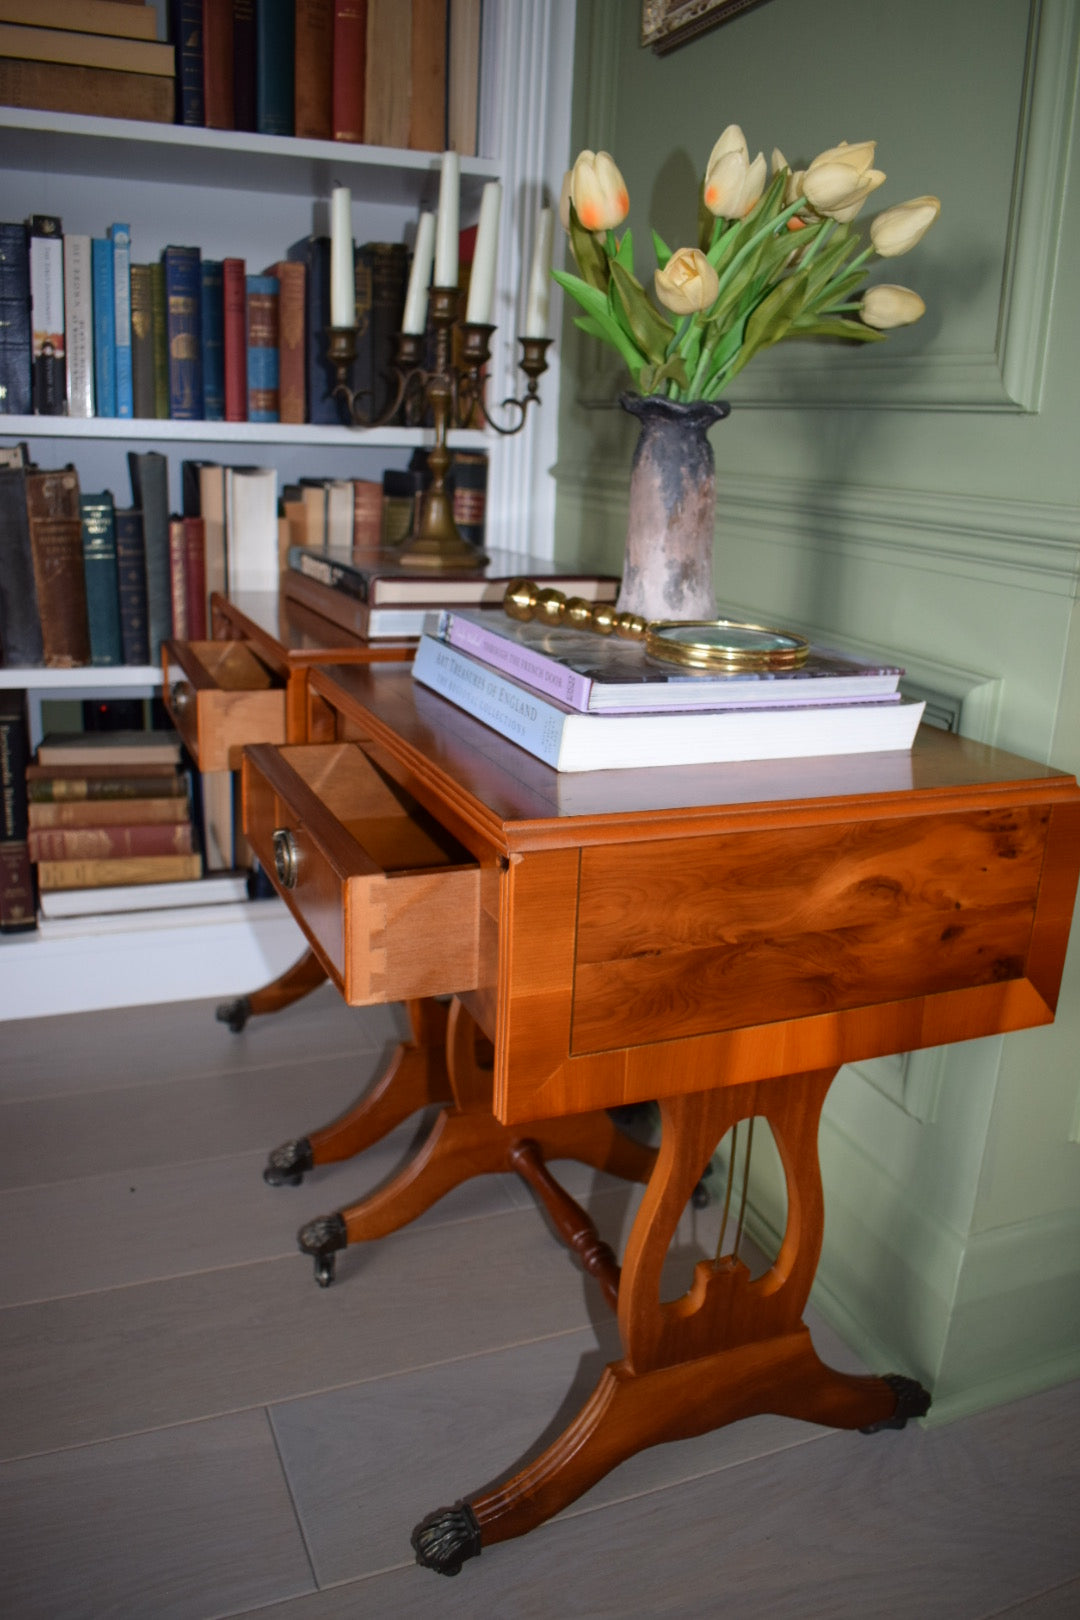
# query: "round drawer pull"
[286,857]
[182,696]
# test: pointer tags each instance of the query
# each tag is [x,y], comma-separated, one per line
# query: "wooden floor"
[191,1428]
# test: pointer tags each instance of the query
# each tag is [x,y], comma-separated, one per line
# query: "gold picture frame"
[667,24]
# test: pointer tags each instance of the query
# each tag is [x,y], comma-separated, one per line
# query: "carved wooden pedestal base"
[297,981]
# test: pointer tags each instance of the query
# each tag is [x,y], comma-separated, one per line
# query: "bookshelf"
[251,195]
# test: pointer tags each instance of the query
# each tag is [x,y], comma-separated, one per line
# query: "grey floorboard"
[181,1524]
[131,1046]
[1062,1603]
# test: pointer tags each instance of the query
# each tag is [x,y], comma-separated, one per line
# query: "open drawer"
[389,899]
[221,696]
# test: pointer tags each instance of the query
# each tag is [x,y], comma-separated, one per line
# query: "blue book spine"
[125,388]
[15,395]
[102,578]
[263,354]
[186,28]
[213,340]
[101,251]
[183,315]
[314,254]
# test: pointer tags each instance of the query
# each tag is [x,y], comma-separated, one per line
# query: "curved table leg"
[297,981]
[415,1077]
[466,1140]
[729,1348]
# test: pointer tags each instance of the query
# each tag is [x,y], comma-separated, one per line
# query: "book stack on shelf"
[86,56]
[400,73]
[377,597]
[109,810]
[582,701]
[90,330]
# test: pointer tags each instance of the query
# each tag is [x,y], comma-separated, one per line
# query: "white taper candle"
[416,298]
[482,275]
[446,230]
[538,300]
[342,266]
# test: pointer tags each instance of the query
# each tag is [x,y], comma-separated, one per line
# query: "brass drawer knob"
[286,857]
[181,697]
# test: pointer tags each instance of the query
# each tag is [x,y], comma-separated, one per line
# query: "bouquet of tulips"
[775,259]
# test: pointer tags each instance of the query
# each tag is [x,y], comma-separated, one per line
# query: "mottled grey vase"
[668,567]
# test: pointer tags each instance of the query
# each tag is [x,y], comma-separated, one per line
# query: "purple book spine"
[544,675]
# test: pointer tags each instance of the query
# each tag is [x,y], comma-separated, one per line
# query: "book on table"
[383,578]
[570,740]
[599,674]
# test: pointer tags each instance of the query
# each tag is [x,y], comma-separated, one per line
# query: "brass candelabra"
[454,392]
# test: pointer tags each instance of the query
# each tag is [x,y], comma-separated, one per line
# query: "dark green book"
[20,625]
[275,26]
[102,580]
[159,311]
[131,575]
[150,493]
[142,341]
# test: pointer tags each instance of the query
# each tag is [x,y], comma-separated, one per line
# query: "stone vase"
[668,566]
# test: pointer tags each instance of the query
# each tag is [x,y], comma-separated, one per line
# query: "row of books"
[582,701]
[401,73]
[86,332]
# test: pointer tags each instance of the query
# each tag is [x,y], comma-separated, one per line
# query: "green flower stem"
[770,228]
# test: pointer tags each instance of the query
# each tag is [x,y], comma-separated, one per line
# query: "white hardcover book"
[340,502]
[220,888]
[79,326]
[571,741]
[252,527]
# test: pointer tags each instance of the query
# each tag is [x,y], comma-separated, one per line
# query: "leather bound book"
[159,306]
[131,585]
[263,359]
[388,76]
[178,580]
[20,626]
[186,30]
[218,63]
[106,842]
[275,30]
[98,874]
[314,253]
[234,318]
[427,114]
[52,507]
[102,578]
[18,911]
[314,71]
[213,340]
[349,69]
[292,360]
[142,341]
[100,92]
[195,577]
[183,307]
[15,397]
[389,277]
[244,64]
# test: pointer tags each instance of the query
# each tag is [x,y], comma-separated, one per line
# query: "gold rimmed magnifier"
[723,645]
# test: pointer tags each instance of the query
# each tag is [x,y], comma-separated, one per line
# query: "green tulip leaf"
[648,328]
[661,249]
[589,255]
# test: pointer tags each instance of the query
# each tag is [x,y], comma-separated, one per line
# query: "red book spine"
[195,577]
[177,579]
[235,339]
[313,75]
[218,63]
[108,842]
[350,67]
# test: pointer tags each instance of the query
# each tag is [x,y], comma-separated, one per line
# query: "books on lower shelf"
[569,740]
[604,674]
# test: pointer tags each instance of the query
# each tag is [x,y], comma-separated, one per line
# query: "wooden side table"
[719,938]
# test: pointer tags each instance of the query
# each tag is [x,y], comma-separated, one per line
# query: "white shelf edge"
[343,154]
[140,430]
[83,677]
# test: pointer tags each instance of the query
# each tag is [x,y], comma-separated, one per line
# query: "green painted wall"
[922,496]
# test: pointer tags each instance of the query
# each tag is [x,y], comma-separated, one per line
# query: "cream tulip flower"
[688,283]
[598,191]
[840,179]
[898,229]
[732,183]
[793,190]
[886,306]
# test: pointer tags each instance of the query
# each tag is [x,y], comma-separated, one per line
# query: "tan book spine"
[125,869]
[87,50]
[97,92]
[129,18]
[427,111]
[292,359]
[108,813]
[388,86]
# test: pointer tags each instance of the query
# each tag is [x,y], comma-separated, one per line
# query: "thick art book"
[604,674]
[571,741]
[383,578]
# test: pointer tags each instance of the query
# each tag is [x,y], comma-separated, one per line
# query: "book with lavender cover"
[597,674]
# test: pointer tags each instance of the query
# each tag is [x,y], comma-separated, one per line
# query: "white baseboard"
[147,957]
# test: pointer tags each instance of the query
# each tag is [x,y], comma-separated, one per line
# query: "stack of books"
[109,810]
[377,596]
[99,57]
[580,701]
